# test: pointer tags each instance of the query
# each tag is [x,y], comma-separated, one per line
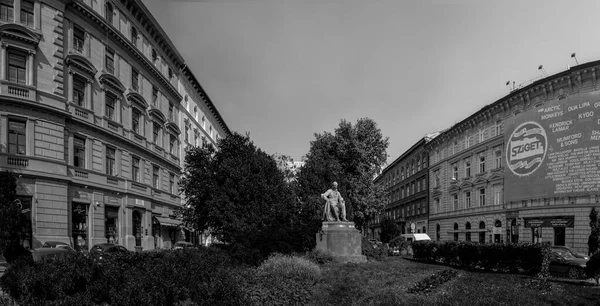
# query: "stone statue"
[335,208]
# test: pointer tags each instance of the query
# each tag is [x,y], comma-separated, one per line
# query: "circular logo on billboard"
[526,148]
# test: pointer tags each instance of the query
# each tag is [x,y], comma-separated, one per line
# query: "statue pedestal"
[342,240]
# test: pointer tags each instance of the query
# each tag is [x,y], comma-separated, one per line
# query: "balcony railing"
[18,91]
[18,162]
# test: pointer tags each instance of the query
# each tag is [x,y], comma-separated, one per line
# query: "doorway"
[559,236]
[137,228]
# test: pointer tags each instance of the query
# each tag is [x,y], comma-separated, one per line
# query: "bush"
[319,257]
[281,280]
[399,242]
[373,251]
[592,268]
[533,258]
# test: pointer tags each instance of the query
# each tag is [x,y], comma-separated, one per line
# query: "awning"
[169,221]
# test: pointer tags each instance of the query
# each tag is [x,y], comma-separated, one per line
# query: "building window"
[27,13]
[419,164]
[172,142]
[498,160]
[196,139]
[203,123]
[481,232]
[79,152]
[7,10]
[425,162]
[498,127]
[438,208]
[187,133]
[436,177]
[135,120]
[16,137]
[467,168]
[467,141]
[210,132]
[135,169]
[79,221]
[480,135]
[171,112]
[134,36]
[108,13]
[135,79]
[467,232]
[467,199]
[455,201]
[455,147]
[412,189]
[482,163]
[78,38]
[112,224]
[482,197]
[155,177]
[402,173]
[110,106]
[155,96]
[154,56]
[155,132]
[170,74]
[110,61]
[412,164]
[79,90]
[17,67]
[196,113]
[498,195]
[455,231]
[455,171]
[110,162]
[172,183]
[418,185]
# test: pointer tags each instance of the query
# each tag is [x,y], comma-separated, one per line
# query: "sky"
[283,70]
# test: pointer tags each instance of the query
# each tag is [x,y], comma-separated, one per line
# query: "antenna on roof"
[541,67]
[573,55]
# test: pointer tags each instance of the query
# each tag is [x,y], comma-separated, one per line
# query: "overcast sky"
[283,70]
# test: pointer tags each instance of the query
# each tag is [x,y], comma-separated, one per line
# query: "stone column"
[30,67]
[4,62]
[88,94]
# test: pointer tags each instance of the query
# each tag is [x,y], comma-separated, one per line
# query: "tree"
[389,230]
[594,238]
[10,218]
[352,155]
[239,193]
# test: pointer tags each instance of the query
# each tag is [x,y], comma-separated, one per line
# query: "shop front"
[552,229]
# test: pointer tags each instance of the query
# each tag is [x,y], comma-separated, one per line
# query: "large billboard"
[554,150]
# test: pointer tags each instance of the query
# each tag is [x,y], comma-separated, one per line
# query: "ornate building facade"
[405,181]
[524,168]
[97,108]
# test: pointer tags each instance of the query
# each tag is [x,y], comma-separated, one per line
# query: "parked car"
[40,254]
[57,245]
[562,262]
[573,252]
[180,245]
[107,248]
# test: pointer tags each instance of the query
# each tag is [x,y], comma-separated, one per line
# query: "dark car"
[40,254]
[57,245]
[573,252]
[107,248]
[562,263]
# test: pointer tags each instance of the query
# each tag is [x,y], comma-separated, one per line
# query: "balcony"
[18,90]
[81,112]
[31,164]
[18,162]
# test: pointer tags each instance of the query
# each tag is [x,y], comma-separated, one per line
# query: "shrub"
[399,242]
[533,258]
[373,251]
[319,257]
[592,268]
[281,267]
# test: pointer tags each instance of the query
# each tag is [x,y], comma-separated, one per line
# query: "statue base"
[342,240]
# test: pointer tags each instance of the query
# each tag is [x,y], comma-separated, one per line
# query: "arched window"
[455,231]
[437,232]
[497,237]
[108,12]
[468,233]
[481,232]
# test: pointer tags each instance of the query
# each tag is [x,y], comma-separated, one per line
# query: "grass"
[387,283]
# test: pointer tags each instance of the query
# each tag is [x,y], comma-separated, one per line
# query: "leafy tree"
[389,230]
[351,156]
[594,238]
[239,193]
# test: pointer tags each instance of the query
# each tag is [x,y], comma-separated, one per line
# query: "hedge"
[530,258]
[182,277]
